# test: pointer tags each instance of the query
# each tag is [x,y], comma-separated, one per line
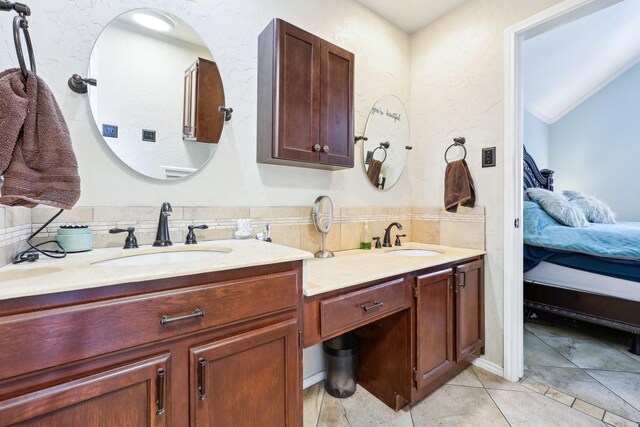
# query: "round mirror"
[323,219]
[158,93]
[385,149]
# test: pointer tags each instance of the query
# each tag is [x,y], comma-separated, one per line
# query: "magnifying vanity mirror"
[158,95]
[387,142]
[323,219]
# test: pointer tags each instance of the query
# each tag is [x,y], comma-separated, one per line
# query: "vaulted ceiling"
[565,66]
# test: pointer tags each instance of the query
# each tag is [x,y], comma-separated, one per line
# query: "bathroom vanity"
[221,338]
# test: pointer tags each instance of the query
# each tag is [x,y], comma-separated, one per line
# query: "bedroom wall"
[595,148]
[536,139]
[457,81]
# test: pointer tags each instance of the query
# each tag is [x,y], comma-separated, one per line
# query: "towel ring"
[457,142]
[384,150]
[20,22]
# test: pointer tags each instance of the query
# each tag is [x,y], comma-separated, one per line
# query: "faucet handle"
[130,242]
[191,236]
[398,242]
[378,244]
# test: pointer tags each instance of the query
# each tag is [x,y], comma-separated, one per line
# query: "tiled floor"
[586,366]
[572,378]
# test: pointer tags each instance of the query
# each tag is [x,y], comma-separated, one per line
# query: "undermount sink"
[414,252]
[165,257]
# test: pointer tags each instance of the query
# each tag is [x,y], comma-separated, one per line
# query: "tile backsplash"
[291,226]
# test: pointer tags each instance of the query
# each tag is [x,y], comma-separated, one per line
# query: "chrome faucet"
[387,234]
[162,235]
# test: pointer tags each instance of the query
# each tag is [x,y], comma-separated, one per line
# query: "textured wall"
[595,148]
[64,31]
[457,81]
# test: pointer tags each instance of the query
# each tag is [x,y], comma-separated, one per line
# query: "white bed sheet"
[570,278]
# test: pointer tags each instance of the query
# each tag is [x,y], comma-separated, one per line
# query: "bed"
[567,279]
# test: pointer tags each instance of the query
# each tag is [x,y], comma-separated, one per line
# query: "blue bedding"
[619,241]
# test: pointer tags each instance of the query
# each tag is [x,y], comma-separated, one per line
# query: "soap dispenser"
[365,241]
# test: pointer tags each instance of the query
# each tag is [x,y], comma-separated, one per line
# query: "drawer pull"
[161,392]
[375,304]
[202,374]
[166,319]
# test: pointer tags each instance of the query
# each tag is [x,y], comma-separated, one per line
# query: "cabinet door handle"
[202,375]
[463,279]
[375,304]
[166,319]
[161,391]
[325,148]
[316,148]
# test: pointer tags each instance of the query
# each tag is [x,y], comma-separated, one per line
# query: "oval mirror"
[158,94]
[323,219]
[385,149]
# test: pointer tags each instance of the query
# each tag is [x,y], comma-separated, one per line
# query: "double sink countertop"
[347,268]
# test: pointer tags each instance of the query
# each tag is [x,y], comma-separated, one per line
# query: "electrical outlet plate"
[488,157]
[369,157]
[109,131]
[148,135]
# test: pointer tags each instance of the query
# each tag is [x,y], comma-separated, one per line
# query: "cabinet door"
[336,107]
[434,329]
[132,395]
[469,308]
[299,94]
[251,379]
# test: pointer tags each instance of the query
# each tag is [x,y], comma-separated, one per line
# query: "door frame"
[557,15]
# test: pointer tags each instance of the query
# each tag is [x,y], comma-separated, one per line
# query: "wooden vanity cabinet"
[202,121]
[449,322]
[72,359]
[305,99]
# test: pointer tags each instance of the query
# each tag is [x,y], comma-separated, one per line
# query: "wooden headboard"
[534,177]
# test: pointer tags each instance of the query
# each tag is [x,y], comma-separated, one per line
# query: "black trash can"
[341,355]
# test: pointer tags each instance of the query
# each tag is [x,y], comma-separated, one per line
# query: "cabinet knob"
[316,147]
[325,148]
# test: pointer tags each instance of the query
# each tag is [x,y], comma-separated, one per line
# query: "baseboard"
[313,379]
[489,366]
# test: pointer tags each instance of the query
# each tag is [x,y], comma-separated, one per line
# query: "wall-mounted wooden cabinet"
[202,120]
[305,99]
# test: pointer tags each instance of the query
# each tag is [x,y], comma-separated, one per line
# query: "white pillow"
[594,209]
[558,207]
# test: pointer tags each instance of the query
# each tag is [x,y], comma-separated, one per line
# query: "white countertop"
[78,271]
[353,267]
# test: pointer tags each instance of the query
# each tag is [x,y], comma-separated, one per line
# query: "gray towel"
[36,156]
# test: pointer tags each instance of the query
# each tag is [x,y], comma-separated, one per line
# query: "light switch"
[488,157]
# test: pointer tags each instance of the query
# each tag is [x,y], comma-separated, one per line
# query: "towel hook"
[457,142]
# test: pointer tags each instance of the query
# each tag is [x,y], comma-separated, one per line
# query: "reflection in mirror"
[150,67]
[385,149]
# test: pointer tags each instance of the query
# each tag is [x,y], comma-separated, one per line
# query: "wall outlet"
[369,157]
[110,131]
[149,135]
[488,157]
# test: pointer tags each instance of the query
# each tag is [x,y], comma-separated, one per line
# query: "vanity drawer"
[348,310]
[42,339]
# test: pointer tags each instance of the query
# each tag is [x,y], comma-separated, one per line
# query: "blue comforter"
[619,241]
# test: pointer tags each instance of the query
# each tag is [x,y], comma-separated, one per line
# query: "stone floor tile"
[361,409]
[560,396]
[618,421]
[493,381]
[532,409]
[311,404]
[624,384]
[532,385]
[452,405]
[537,352]
[592,354]
[466,378]
[578,383]
[588,409]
